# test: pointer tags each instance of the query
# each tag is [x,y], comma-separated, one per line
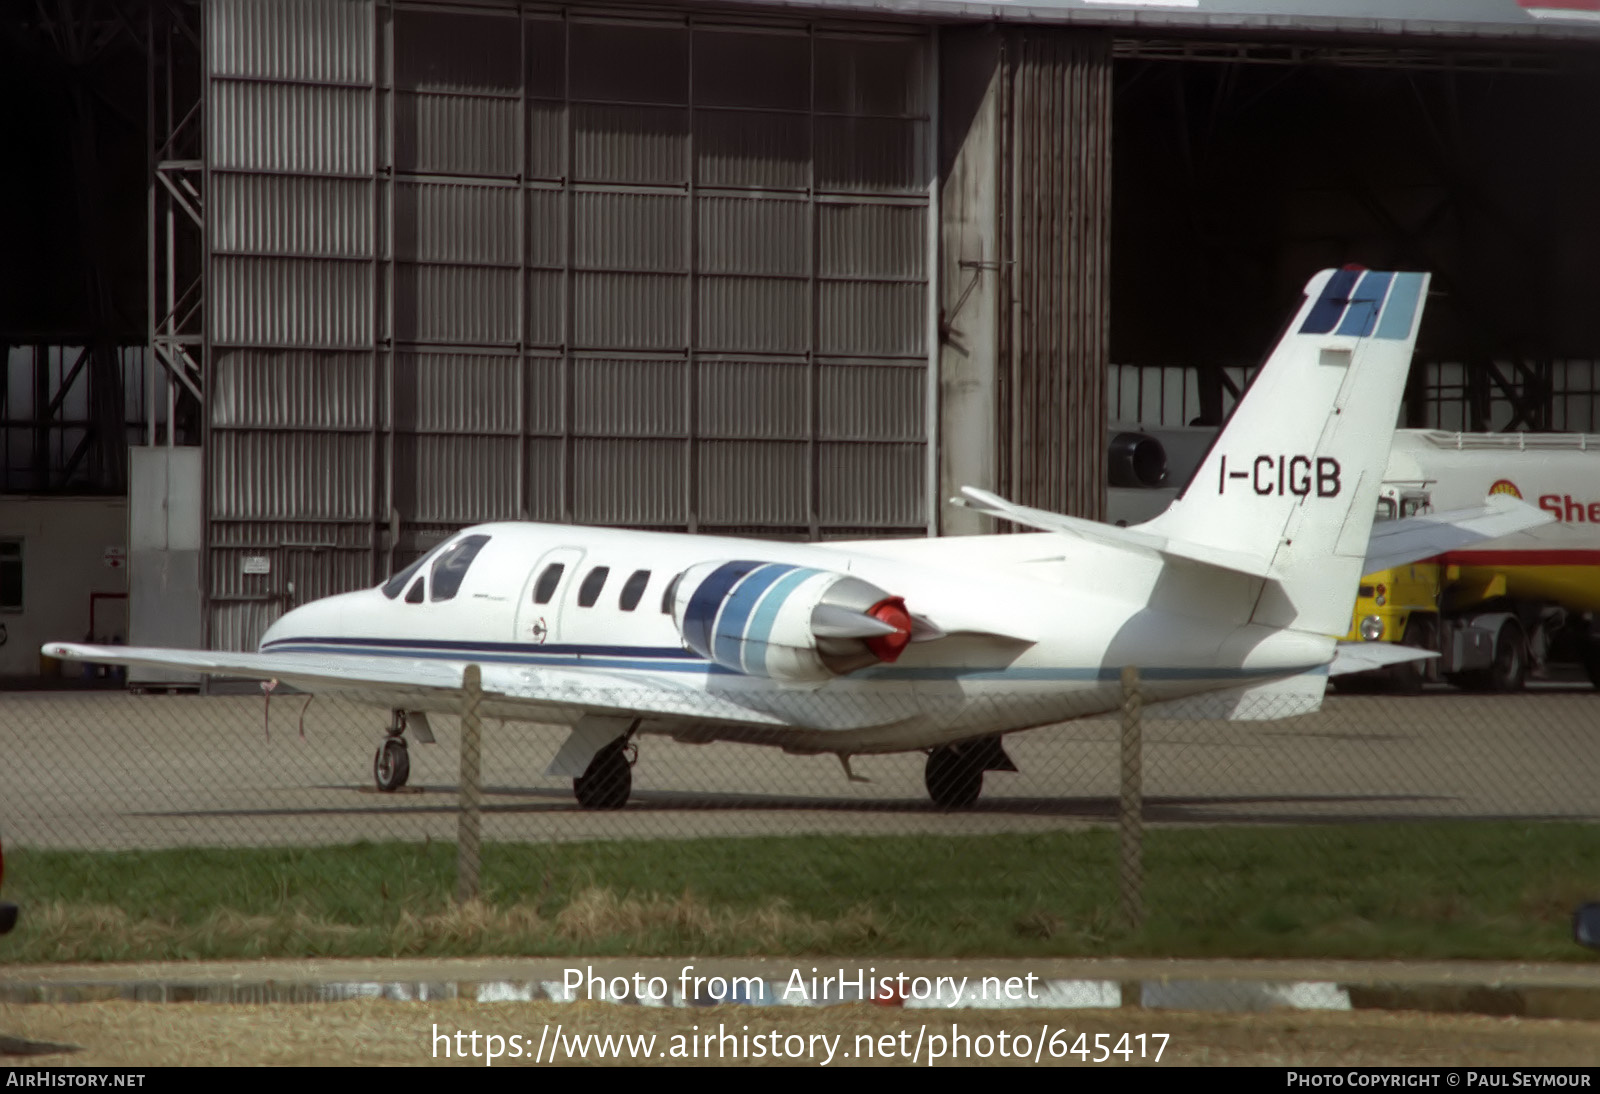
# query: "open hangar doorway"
[1241,168]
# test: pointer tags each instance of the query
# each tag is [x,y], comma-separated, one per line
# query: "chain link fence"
[1361,830]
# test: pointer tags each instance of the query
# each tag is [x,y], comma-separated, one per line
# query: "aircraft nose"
[284,626]
[318,619]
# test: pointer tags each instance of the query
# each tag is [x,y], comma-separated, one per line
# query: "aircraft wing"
[1397,542]
[533,692]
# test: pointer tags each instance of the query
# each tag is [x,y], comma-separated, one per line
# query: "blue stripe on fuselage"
[341,641]
[659,659]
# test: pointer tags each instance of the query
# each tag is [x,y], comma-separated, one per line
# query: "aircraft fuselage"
[1032,629]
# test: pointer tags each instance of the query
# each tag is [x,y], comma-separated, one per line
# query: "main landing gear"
[608,780]
[954,773]
[391,767]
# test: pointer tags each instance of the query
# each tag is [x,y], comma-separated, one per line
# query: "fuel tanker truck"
[1495,612]
[1499,610]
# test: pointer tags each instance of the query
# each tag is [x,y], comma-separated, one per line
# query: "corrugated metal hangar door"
[558,265]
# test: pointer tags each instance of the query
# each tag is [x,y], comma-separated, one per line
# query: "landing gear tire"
[954,780]
[391,767]
[608,780]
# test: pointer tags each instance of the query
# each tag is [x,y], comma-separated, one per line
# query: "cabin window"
[415,595]
[670,595]
[633,590]
[451,567]
[393,587]
[546,588]
[590,590]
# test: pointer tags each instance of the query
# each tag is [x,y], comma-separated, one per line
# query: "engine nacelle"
[794,624]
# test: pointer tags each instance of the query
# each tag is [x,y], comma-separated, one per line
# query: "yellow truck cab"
[1400,605]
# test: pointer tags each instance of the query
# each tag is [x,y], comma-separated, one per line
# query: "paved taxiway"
[114,770]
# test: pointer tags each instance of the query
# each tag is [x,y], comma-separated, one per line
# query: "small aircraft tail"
[1292,479]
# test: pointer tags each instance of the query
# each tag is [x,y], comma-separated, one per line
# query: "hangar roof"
[1540,19]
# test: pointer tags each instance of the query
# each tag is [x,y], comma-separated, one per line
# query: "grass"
[1430,890]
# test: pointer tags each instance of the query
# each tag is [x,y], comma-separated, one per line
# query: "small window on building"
[415,595]
[10,575]
[633,590]
[590,591]
[670,595]
[546,588]
[451,568]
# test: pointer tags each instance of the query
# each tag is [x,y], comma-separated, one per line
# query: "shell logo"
[1505,486]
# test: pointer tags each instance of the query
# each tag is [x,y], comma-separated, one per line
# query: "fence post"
[1130,813]
[470,816]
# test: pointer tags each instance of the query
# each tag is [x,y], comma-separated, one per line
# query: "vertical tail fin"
[1294,475]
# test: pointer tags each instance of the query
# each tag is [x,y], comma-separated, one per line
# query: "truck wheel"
[1591,660]
[1510,669]
[1407,677]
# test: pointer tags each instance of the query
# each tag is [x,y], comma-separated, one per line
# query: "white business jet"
[1225,602]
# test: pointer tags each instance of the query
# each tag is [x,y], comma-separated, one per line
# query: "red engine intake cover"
[888,647]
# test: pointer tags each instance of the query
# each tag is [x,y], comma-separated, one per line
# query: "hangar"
[298,287]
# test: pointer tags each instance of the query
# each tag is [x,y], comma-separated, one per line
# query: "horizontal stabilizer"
[1366,656]
[1398,542]
[1283,698]
[1109,535]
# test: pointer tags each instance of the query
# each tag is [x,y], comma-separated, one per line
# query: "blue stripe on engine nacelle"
[704,604]
[766,614]
[1364,304]
[727,635]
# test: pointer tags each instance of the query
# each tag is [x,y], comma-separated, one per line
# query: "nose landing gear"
[391,767]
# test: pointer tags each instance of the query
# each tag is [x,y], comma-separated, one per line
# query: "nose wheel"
[391,767]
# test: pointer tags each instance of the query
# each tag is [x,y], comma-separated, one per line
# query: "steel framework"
[175,122]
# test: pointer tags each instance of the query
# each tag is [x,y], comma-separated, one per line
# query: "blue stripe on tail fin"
[1401,309]
[1330,305]
[1362,315]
